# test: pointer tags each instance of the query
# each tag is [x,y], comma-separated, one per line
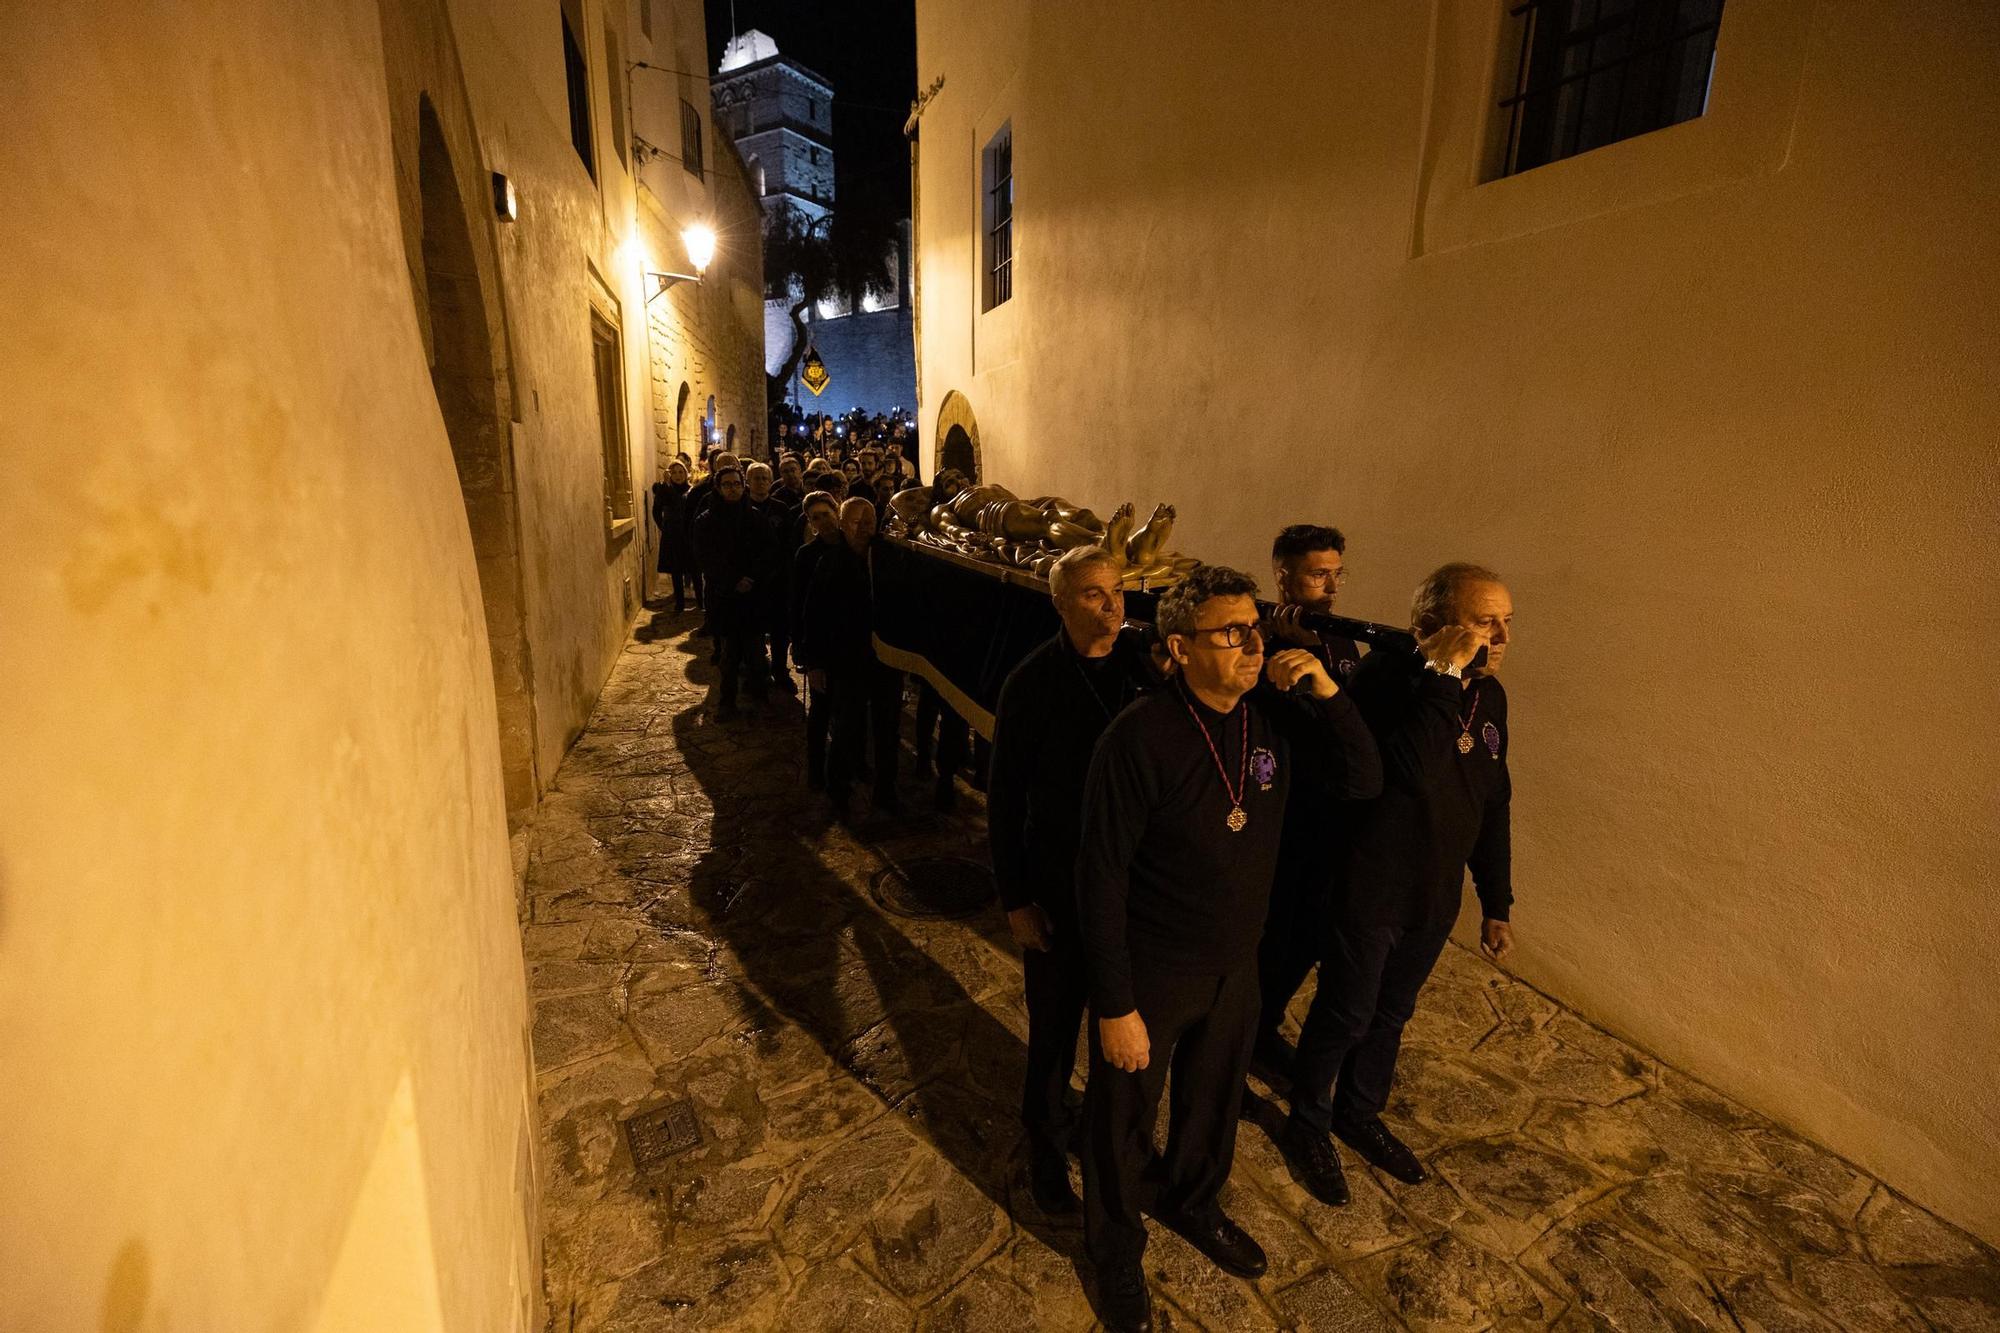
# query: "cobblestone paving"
[697,932]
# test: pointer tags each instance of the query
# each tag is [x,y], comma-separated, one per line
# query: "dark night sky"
[868,50]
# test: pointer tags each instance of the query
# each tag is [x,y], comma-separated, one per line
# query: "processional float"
[962,590]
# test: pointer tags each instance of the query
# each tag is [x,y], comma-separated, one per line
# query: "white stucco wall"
[1718,401]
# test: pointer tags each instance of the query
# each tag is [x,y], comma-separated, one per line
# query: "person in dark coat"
[733,543]
[671,519]
[714,458]
[821,515]
[1308,565]
[838,640]
[1439,717]
[775,594]
[1054,706]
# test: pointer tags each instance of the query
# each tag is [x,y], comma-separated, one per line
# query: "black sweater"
[1160,878]
[1440,811]
[733,542]
[1053,708]
[837,617]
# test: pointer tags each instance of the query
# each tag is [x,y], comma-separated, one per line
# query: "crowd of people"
[1185,822]
[777,560]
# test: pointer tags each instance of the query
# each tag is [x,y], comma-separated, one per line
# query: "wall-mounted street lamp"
[699,241]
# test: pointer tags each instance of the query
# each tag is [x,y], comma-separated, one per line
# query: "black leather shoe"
[1123,1302]
[1378,1147]
[1228,1245]
[1048,1181]
[1271,1057]
[1315,1163]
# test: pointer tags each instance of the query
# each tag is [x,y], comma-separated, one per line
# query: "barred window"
[608,362]
[691,141]
[999,248]
[1592,72]
[576,74]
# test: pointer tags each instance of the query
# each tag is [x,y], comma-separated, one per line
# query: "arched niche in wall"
[452,307]
[957,437]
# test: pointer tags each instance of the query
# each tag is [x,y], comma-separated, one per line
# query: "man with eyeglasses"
[1441,724]
[1308,565]
[1181,817]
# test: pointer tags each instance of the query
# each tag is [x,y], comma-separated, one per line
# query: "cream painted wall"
[1719,401]
[253,862]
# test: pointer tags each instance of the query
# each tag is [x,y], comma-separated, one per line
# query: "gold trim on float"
[899,660]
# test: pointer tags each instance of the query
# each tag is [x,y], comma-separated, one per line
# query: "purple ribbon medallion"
[1491,735]
[1263,767]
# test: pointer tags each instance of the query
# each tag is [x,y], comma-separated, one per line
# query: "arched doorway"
[452,310]
[957,437]
[681,424]
[729,439]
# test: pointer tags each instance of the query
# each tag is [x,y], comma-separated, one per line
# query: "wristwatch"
[1451,669]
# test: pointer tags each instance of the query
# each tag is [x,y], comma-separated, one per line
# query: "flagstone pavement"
[698,933]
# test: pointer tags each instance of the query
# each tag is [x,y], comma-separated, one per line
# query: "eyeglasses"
[1334,576]
[1232,636]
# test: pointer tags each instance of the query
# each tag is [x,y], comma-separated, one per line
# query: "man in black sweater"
[839,620]
[1182,812]
[733,544]
[1052,709]
[1440,720]
[1308,566]
[819,514]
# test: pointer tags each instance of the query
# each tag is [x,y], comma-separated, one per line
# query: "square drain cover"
[661,1133]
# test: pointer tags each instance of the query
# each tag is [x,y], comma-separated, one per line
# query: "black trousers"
[1368,985]
[1200,1028]
[819,723]
[1289,948]
[941,732]
[867,702]
[1058,990]
[685,586]
[740,641]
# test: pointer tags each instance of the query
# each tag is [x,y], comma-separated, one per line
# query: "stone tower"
[781,116]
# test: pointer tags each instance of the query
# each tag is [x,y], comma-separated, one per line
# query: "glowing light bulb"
[700,242]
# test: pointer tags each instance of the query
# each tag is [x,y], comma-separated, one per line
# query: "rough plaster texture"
[260,977]
[1719,401]
[254,873]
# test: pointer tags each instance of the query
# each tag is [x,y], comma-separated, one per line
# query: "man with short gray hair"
[1052,709]
[1439,716]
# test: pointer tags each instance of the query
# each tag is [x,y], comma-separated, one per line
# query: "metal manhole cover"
[946,886]
[659,1134]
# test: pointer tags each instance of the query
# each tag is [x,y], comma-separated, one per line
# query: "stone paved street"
[698,933]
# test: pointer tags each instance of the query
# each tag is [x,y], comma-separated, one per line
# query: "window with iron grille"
[577,75]
[999,247]
[691,138]
[1591,72]
[608,361]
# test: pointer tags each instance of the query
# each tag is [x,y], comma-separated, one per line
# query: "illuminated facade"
[1716,397]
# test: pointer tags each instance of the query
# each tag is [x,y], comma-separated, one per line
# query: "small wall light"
[503,198]
[699,241]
